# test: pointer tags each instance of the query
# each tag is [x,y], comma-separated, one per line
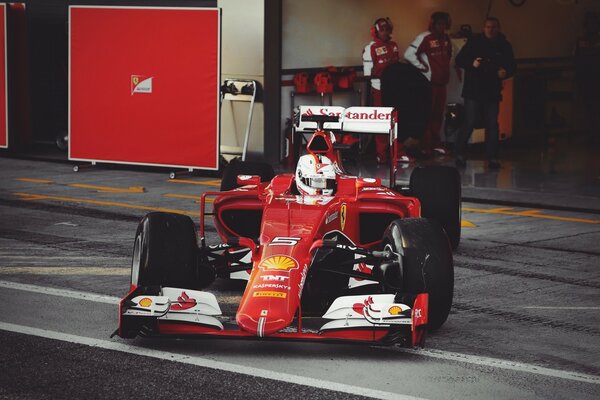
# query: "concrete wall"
[318,33]
[333,32]
[242,57]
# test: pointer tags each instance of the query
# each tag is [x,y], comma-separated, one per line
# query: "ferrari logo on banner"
[141,84]
[343,216]
[278,263]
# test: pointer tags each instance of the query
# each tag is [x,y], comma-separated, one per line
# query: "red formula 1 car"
[327,256]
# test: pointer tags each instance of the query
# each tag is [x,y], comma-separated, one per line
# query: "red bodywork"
[290,226]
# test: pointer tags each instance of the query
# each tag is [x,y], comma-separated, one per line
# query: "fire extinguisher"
[324,82]
[301,83]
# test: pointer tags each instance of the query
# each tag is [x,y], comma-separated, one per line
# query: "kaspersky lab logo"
[141,84]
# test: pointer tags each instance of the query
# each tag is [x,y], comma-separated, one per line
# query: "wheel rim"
[135,263]
[398,251]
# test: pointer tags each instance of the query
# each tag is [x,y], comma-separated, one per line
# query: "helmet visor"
[320,182]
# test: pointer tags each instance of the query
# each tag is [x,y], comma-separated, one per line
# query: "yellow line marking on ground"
[467,224]
[101,189]
[30,196]
[31,180]
[500,209]
[196,199]
[108,189]
[35,197]
[215,182]
[66,270]
[529,213]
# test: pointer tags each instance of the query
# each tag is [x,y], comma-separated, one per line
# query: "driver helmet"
[315,174]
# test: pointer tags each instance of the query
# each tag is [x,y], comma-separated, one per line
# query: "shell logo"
[395,310]
[278,263]
[145,302]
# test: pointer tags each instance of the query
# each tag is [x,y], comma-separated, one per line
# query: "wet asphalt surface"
[527,290]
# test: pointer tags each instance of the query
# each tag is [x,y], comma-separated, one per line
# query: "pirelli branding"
[278,295]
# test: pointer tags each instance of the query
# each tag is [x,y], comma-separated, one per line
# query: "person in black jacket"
[406,89]
[587,66]
[487,59]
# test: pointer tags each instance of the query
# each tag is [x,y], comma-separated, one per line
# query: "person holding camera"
[487,59]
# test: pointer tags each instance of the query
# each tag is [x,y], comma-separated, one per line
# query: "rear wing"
[303,126]
[353,120]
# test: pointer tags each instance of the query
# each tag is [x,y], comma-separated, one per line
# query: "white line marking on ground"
[206,363]
[432,353]
[98,271]
[98,298]
[37,257]
[561,308]
[504,364]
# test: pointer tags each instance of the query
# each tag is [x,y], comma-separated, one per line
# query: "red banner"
[144,86]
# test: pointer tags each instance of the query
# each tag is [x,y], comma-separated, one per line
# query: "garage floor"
[561,175]
[565,174]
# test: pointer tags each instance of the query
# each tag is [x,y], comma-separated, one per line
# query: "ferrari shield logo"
[343,216]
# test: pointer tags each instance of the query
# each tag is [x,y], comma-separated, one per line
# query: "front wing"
[376,318]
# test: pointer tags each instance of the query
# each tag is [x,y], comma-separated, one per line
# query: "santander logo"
[330,111]
[353,113]
[369,114]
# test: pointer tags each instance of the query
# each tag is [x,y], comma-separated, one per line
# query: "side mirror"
[248,180]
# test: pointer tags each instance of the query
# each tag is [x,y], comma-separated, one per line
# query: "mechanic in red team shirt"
[377,55]
[431,52]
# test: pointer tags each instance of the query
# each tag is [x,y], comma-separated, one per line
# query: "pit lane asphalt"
[526,292]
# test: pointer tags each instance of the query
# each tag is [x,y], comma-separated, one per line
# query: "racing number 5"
[284,241]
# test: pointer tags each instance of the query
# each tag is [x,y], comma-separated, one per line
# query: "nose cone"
[261,325]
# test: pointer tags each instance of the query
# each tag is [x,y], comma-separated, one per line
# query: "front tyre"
[426,263]
[165,252]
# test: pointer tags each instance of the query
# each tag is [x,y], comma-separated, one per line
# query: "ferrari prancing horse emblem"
[343,216]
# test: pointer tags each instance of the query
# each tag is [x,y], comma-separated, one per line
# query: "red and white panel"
[144,85]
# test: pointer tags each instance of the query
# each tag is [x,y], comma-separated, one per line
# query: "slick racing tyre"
[438,189]
[165,252]
[238,167]
[427,265]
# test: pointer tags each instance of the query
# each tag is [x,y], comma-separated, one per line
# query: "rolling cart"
[244,91]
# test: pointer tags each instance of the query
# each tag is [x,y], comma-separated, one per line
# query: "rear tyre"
[165,252]
[439,191]
[237,167]
[427,265]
